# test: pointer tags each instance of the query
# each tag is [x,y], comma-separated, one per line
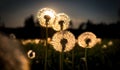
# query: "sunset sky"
[14,12]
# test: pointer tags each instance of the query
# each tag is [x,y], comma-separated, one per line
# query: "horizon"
[13,13]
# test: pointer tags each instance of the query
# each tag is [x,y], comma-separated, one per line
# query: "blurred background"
[102,17]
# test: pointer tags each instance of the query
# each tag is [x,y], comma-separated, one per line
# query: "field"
[102,56]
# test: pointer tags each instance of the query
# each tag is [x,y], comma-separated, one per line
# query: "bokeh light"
[110,43]
[104,46]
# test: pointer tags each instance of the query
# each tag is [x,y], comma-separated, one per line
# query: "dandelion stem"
[73,59]
[61,60]
[45,68]
[86,68]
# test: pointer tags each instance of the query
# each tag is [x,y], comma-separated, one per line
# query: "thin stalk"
[86,66]
[45,68]
[73,59]
[61,60]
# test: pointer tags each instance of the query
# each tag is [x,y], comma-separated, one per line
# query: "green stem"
[45,68]
[61,61]
[73,59]
[86,66]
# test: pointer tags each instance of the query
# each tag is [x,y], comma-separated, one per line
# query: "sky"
[14,12]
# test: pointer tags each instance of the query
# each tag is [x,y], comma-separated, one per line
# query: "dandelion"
[46,15]
[31,54]
[61,22]
[87,40]
[61,37]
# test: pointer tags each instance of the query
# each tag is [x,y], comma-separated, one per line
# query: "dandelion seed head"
[46,13]
[87,36]
[31,54]
[56,41]
[61,22]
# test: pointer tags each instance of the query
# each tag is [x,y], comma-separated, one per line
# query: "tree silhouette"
[119,14]
[29,22]
[71,24]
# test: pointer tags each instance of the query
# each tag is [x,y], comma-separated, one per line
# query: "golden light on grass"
[46,15]
[110,43]
[56,41]
[104,46]
[61,22]
[99,40]
[87,40]
[36,41]
[31,54]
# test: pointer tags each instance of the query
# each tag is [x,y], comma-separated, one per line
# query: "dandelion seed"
[56,41]
[46,14]
[87,40]
[61,22]
[31,54]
